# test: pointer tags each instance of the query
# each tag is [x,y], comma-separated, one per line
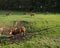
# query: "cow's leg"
[13,37]
[23,33]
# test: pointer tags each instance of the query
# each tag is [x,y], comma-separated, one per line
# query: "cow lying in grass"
[24,13]
[32,14]
[9,13]
[21,31]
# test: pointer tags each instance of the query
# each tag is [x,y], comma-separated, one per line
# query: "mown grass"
[46,25]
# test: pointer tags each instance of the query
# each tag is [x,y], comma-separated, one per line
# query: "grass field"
[46,25]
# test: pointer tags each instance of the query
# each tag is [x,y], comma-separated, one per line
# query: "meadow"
[47,27]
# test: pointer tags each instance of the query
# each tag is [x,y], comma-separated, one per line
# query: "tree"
[31,5]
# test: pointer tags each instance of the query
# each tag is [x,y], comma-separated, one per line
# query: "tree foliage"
[31,5]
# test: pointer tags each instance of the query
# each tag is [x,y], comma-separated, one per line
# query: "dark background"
[31,5]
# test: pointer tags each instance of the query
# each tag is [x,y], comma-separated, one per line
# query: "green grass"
[48,38]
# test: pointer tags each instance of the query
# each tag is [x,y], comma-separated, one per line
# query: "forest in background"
[31,5]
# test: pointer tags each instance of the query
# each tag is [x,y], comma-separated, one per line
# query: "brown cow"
[14,31]
[20,31]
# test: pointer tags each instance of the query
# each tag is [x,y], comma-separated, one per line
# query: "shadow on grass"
[4,40]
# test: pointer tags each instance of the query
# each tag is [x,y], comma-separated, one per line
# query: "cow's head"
[12,30]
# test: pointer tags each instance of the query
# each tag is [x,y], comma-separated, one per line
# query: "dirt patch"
[20,23]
